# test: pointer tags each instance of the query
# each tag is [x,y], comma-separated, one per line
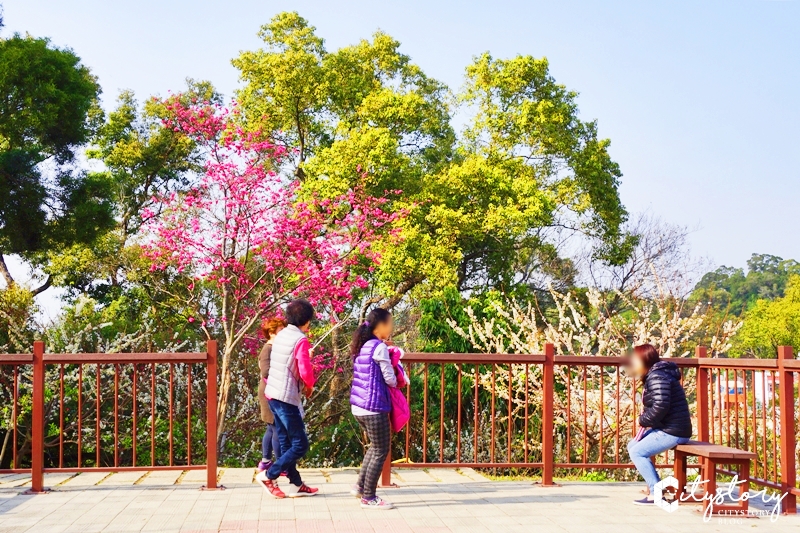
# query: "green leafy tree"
[482,205]
[17,327]
[730,290]
[48,101]
[437,335]
[141,159]
[115,301]
[526,164]
[771,323]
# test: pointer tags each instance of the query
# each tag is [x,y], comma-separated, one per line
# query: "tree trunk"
[340,383]
[224,391]
[5,443]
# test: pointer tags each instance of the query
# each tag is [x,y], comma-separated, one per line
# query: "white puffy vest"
[283,381]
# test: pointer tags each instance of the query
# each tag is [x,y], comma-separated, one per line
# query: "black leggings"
[380,438]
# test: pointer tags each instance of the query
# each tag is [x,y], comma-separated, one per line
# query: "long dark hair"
[365,330]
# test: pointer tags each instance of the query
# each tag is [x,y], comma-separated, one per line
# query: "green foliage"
[771,323]
[131,322]
[286,83]
[49,102]
[141,158]
[479,205]
[601,475]
[732,291]
[47,96]
[17,328]
[436,334]
[536,157]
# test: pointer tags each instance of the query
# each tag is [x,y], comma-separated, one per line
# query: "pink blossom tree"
[245,243]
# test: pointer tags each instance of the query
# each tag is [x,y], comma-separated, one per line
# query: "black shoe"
[643,501]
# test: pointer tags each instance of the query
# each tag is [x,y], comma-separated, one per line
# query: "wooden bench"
[710,455]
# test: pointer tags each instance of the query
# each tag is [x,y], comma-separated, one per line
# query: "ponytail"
[365,331]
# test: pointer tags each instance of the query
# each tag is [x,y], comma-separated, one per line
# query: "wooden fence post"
[548,385]
[786,398]
[211,415]
[702,395]
[37,420]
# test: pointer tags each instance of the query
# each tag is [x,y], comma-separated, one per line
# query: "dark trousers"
[270,443]
[379,434]
[293,441]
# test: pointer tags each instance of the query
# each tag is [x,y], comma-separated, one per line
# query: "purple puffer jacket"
[369,390]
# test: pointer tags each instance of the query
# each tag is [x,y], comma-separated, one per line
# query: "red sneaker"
[302,490]
[271,486]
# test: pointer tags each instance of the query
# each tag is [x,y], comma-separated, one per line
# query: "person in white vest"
[290,375]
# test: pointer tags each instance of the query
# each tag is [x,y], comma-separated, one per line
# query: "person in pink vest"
[290,375]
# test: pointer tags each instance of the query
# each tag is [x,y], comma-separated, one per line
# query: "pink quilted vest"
[400,413]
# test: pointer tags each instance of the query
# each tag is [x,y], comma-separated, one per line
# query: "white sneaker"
[294,491]
[355,491]
[376,503]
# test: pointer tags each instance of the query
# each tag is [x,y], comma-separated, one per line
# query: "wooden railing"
[560,412]
[110,412]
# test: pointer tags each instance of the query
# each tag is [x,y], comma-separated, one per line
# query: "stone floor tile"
[442,501]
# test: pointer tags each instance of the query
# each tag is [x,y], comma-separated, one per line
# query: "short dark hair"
[299,312]
[647,354]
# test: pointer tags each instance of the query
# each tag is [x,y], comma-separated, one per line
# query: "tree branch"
[5,273]
[44,286]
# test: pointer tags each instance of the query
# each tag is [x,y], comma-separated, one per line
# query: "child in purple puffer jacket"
[370,400]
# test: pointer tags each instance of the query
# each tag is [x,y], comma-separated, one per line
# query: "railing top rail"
[593,360]
[589,360]
[472,358]
[792,364]
[16,358]
[739,364]
[124,358]
[683,362]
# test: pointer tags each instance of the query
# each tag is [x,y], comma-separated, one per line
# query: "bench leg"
[679,471]
[744,475]
[710,473]
[704,473]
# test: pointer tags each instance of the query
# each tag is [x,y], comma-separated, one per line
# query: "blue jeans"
[293,439]
[270,443]
[654,442]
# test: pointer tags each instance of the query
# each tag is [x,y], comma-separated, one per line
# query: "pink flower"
[241,232]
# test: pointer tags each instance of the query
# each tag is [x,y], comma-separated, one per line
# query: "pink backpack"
[401,413]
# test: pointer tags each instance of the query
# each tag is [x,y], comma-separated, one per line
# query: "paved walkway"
[437,501]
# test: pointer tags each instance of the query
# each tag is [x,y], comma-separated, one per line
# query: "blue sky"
[700,99]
